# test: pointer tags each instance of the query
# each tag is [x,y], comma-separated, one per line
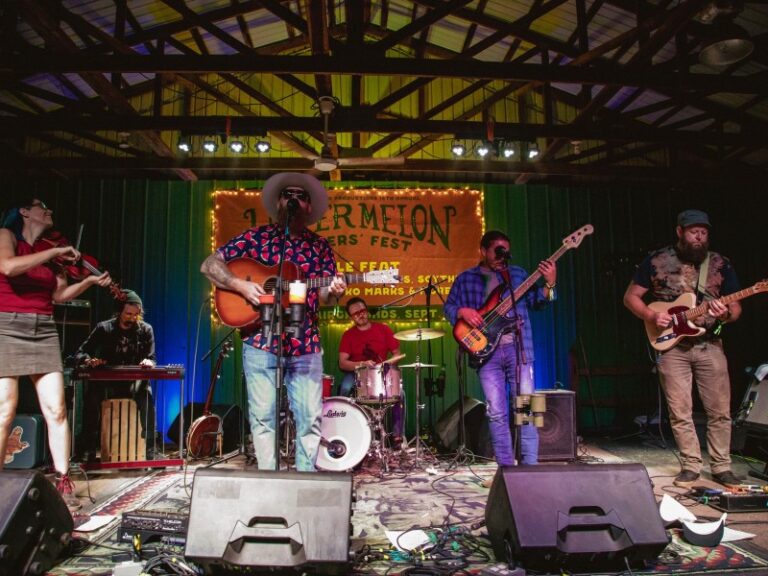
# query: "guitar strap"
[701,283]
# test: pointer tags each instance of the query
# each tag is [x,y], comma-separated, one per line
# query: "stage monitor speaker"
[477,438]
[230,415]
[558,438]
[753,413]
[35,524]
[270,519]
[575,517]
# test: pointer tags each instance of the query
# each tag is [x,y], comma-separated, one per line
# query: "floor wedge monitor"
[239,520]
[574,517]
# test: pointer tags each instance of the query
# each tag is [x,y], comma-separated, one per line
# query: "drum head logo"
[332,413]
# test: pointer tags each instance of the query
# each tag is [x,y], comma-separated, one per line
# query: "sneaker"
[727,478]
[66,488]
[686,478]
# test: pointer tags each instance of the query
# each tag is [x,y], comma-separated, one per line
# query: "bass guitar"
[683,310]
[236,312]
[204,432]
[482,341]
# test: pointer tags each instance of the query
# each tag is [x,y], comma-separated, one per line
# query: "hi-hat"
[418,365]
[419,334]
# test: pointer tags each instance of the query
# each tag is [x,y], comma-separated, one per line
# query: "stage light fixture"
[508,150]
[483,149]
[263,146]
[237,146]
[184,145]
[533,151]
[210,145]
[458,149]
[731,44]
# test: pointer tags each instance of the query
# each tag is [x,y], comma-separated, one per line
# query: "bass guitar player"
[509,368]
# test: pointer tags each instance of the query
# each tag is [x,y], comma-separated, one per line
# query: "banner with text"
[424,233]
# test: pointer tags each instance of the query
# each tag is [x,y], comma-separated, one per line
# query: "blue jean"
[497,377]
[303,383]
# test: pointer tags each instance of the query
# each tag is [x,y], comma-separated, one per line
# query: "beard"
[690,253]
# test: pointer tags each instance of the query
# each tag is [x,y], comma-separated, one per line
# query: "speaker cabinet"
[230,415]
[576,517]
[754,408]
[477,436]
[558,438]
[27,445]
[271,519]
[35,525]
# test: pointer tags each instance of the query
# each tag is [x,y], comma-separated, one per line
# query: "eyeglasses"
[296,193]
[361,312]
[39,205]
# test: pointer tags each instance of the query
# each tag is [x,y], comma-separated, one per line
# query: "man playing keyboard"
[122,340]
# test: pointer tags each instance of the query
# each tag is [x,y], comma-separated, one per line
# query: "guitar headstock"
[388,276]
[574,238]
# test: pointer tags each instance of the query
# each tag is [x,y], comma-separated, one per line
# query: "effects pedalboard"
[152,524]
[748,498]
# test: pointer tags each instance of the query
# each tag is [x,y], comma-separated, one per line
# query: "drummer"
[367,345]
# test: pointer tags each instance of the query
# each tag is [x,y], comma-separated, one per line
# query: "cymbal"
[419,334]
[418,365]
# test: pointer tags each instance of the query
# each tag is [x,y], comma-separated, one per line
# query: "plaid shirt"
[311,254]
[471,290]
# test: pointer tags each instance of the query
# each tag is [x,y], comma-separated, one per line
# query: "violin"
[85,266]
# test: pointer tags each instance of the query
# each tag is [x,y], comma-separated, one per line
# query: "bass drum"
[345,435]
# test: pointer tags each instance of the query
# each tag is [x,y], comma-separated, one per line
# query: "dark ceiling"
[607,90]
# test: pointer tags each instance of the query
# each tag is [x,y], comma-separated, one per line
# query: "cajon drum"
[121,439]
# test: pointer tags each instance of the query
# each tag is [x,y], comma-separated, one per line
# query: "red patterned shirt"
[311,254]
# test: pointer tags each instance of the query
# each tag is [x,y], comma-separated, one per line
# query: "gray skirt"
[29,344]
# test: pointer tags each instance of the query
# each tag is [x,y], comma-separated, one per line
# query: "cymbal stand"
[419,406]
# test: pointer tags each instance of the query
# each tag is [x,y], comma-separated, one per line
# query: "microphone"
[336,449]
[293,207]
[501,253]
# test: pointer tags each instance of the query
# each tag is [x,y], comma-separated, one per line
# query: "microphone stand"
[277,318]
[430,381]
[520,360]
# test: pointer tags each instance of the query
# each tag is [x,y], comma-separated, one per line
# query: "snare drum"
[327,385]
[345,435]
[378,385]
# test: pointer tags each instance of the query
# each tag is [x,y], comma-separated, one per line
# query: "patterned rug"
[448,505]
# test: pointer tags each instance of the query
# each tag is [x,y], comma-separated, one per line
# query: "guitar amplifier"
[27,443]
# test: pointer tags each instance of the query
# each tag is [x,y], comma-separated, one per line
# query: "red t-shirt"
[31,292]
[372,344]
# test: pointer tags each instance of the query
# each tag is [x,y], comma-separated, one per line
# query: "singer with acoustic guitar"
[508,369]
[294,201]
[689,268]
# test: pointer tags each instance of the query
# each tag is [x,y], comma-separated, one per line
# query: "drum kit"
[353,428]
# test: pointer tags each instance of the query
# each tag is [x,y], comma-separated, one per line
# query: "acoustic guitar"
[204,432]
[236,312]
[482,341]
[683,310]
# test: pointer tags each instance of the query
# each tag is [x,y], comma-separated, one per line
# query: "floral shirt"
[313,257]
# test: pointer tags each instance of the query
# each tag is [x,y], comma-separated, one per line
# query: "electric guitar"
[482,341]
[683,310]
[236,311]
[203,434]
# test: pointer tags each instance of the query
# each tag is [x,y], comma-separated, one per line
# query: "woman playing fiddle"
[32,279]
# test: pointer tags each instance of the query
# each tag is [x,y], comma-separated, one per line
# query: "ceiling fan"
[327,161]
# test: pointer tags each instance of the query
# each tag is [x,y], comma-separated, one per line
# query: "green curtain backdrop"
[153,235]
